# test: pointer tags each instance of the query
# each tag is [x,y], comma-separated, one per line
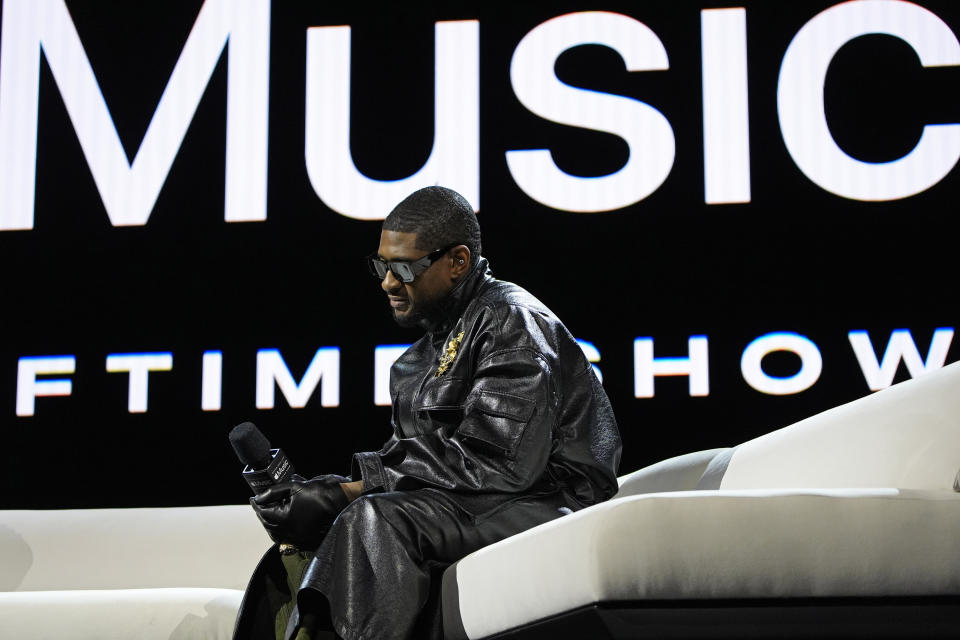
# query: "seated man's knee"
[380,511]
[363,510]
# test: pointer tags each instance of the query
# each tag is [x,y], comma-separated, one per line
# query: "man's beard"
[425,314]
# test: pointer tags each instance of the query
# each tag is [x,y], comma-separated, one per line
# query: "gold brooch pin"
[449,355]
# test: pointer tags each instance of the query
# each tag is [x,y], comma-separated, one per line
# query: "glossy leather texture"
[518,407]
[300,511]
[499,424]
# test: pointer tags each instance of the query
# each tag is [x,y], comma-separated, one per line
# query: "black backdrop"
[795,258]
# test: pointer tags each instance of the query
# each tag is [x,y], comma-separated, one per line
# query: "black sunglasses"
[405,270]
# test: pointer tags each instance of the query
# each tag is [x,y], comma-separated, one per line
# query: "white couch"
[844,524]
[103,574]
[847,517]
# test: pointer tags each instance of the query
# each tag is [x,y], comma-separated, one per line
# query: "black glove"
[300,512]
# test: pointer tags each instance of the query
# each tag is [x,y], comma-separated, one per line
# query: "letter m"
[129,190]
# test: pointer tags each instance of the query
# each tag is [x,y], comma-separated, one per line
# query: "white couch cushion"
[145,614]
[681,473]
[129,548]
[906,436]
[716,544]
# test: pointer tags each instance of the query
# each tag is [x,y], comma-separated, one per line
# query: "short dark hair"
[440,217]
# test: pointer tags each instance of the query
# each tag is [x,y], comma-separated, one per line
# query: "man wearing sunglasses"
[499,424]
[414,304]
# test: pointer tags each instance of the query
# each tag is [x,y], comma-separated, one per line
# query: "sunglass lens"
[378,268]
[403,271]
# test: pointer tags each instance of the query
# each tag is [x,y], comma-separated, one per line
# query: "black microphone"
[263,466]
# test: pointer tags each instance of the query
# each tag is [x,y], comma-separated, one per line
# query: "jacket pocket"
[497,420]
[446,394]
[440,405]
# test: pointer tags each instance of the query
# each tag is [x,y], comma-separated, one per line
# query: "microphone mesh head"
[252,447]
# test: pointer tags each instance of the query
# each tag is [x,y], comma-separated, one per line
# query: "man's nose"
[390,282]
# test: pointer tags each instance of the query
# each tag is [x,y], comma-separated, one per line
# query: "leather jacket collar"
[457,299]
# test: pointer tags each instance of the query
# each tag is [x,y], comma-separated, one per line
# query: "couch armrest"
[141,548]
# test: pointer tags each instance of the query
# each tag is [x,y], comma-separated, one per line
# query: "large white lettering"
[455,158]
[726,125]
[29,388]
[900,347]
[139,366]
[211,386]
[645,130]
[803,120]
[646,367]
[272,372]
[37,29]
[129,190]
[811,363]
[324,369]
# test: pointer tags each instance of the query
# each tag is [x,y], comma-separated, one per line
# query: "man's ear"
[461,261]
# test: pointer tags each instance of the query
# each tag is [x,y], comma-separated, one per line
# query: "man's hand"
[300,512]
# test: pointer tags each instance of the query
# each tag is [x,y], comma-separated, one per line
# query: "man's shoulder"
[514,315]
[510,318]
[508,297]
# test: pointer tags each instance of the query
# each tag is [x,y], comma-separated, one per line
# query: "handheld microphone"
[263,466]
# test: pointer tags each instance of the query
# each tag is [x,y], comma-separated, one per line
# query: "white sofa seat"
[172,573]
[776,543]
[857,501]
[181,613]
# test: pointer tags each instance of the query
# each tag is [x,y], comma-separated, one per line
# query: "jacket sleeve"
[501,442]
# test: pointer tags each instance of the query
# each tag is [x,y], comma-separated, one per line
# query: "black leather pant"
[377,572]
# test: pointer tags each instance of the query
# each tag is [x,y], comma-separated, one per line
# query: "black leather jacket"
[516,410]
